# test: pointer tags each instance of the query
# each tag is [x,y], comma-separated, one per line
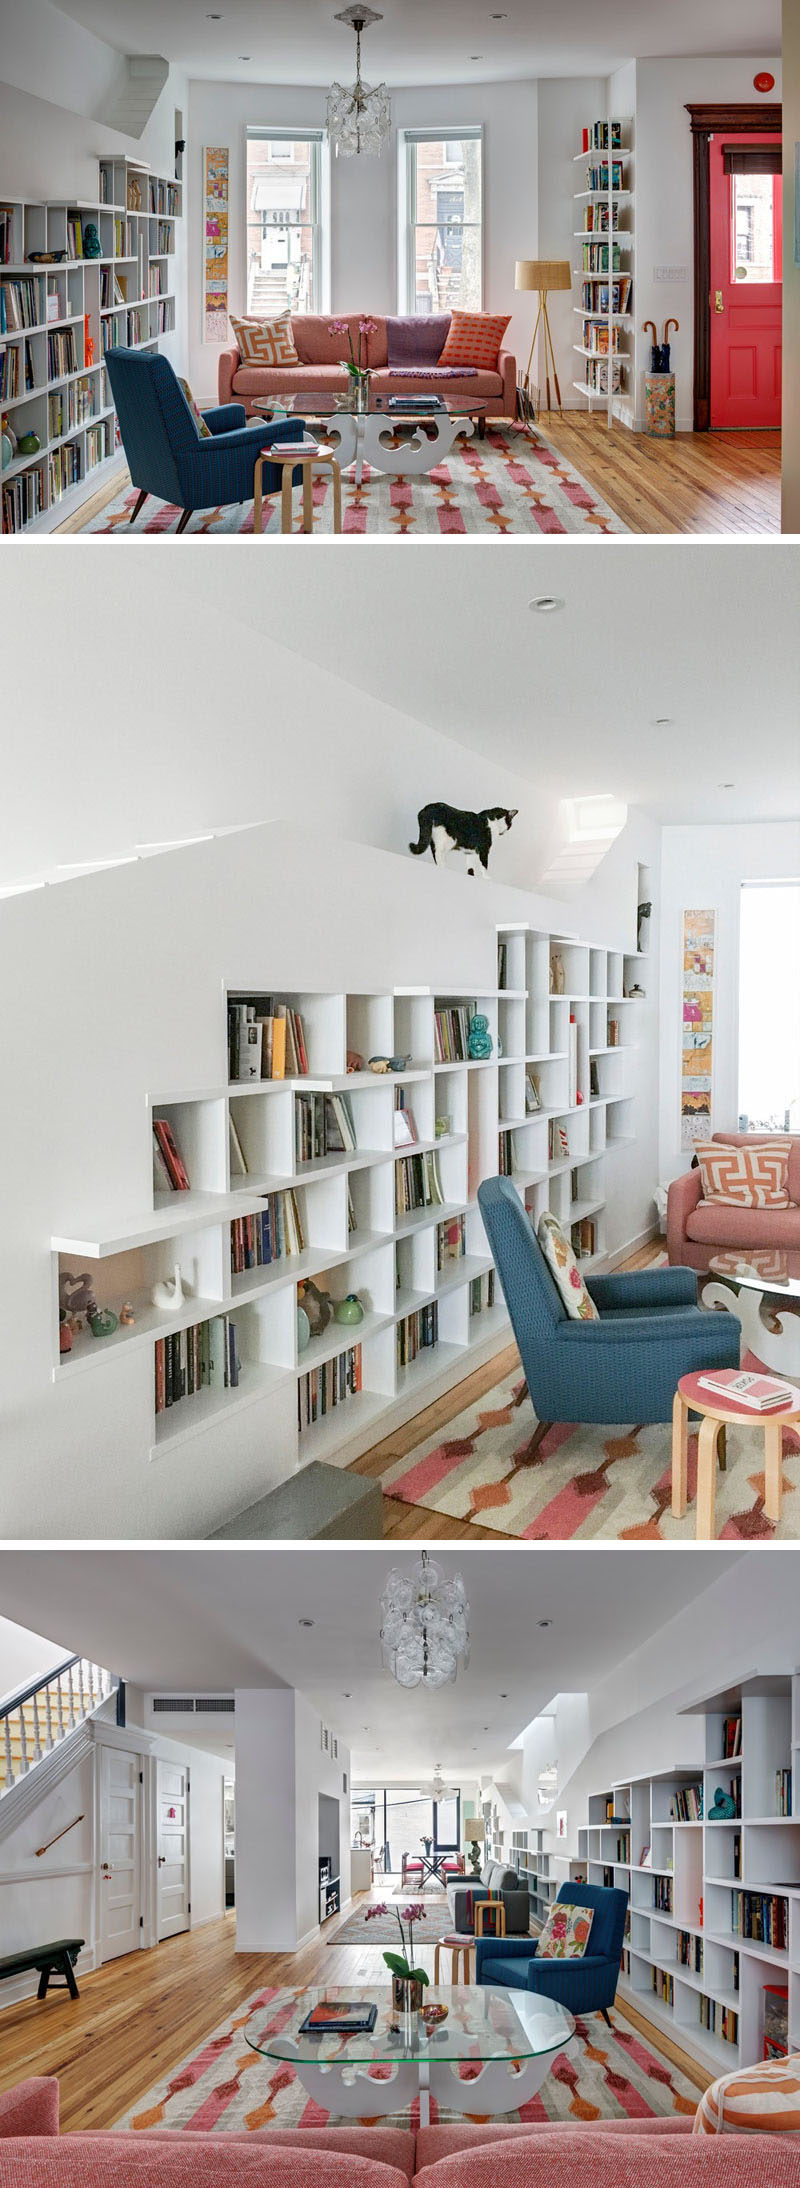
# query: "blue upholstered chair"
[583,1986]
[623,1368]
[166,454]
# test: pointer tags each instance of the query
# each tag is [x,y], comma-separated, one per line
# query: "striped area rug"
[225,2085]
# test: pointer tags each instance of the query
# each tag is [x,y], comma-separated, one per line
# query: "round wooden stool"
[691,1397]
[322,460]
[460,1947]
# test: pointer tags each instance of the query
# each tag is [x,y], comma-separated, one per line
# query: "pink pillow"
[30,2108]
[69,2161]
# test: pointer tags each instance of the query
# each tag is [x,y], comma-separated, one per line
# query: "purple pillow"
[417,341]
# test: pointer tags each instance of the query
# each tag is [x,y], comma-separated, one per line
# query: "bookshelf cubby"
[53,380]
[432,1306]
[689,1962]
[533,1863]
[604,273]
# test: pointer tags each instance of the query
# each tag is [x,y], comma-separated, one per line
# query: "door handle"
[161,1860]
[105,1867]
[718,303]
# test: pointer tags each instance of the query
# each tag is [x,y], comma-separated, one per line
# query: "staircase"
[35,1721]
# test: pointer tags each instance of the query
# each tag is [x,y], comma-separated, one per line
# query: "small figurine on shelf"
[64,1332]
[317,1305]
[76,1296]
[557,981]
[103,1322]
[355,1061]
[168,1293]
[722,1808]
[479,1040]
[134,195]
[92,246]
[643,928]
[349,1309]
[126,1316]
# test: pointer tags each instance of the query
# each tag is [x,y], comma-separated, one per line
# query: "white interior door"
[172,1805]
[120,1852]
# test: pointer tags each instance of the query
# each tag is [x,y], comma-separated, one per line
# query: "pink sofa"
[321,373]
[643,2153]
[698,1229]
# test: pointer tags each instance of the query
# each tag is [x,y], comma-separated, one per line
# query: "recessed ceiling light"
[245,56]
[213,18]
[546,603]
[347,1696]
[663,721]
[727,786]
[545,1621]
[305,1621]
[476,56]
[499,18]
[504,1697]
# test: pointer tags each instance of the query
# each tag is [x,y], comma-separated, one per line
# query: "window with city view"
[441,185]
[285,238]
[399,1821]
[769,1007]
[756,228]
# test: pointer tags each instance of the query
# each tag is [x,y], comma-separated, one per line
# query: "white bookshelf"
[686,1961]
[48,387]
[534,1866]
[604,374]
[354,1238]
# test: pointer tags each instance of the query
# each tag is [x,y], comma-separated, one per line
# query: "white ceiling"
[299,42]
[212,1619]
[704,633]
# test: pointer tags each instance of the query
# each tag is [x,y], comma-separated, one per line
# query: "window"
[441,239]
[287,240]
[769,1007]
[400,1820]
[756,228]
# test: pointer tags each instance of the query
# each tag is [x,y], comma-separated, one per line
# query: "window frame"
[407,141]
[319,219]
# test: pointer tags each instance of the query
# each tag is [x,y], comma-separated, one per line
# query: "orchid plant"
[356,366]
[402,1965]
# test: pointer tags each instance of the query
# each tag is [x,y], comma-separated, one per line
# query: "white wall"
[281,1769]
[364,195]
[701,868]
[791,272]
[24,1657]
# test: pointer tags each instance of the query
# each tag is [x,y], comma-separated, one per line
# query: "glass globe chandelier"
[359,117]
[424,1625]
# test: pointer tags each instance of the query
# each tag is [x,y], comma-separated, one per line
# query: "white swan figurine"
[169,1293]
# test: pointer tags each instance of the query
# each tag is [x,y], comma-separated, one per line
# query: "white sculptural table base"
[772,1337]
[498,2087]
[367,437]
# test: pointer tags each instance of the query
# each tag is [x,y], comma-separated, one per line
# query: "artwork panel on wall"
[697,1026]
[215,243]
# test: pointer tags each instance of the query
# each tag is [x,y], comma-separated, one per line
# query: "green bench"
[53,1962]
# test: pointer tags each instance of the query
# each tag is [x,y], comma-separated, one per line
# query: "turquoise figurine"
[723,1808]
[480,1040]
[103,1322]
[92,246]
[349,1309]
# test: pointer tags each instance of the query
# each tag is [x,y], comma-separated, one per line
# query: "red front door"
[746,215]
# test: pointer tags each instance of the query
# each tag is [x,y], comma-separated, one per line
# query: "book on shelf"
[686,1805]
[238,1159]
[505,1154]
[269,1234]
[557,1140]
[165,1144]
[203,1357]
[405,1130]
[502,964]
[323,1126]
[533,1091]
[762,1918]
[595,137]
[584,1237]
[760,1393]
[783,1792]
[6,232]
[451,1242]
[331,1384]
[417,1183]
[451,1033]
[20,305]
[417,1332]
[482,1292]
[597,177]
[266,1040]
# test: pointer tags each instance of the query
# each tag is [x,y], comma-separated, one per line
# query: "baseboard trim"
[634,1245]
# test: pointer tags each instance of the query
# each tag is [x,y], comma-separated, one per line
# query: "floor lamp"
[543,274]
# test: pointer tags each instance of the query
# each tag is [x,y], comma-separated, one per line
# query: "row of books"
[731,1737]
[23,499]
[584,1238]
[761,1916]
[597,177]
[663,1985]
[16,371]
[417,1333]
[164,197]
[594,258]
[63,469]
[451,1241]
[557,1140]
[662,1895]
[266,1040]
[170,1174]
[157,280]
[598,295]
[599,339]
[686,1806]
[719,2020]
[165,239]
[595,137]
[502,964]
[164,316]
[482,1292]
[205,1357]
[417,1183]
[505,1155]
[323,1125]
[328,1386]
[596,219]
[596,378]
[6,233]
[20,305]
[113,288]
[690,1951]
[451,1034]
[98,446]
[783,1792]
[61,353]
[126,239]
[71,406]
[275,1231]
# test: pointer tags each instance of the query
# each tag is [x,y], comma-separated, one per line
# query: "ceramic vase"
[407,1996]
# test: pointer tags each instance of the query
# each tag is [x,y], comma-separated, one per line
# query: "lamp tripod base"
[543,321]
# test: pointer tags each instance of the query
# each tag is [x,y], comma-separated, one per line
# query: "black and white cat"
[444,828]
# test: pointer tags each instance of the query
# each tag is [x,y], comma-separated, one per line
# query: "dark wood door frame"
[747,120]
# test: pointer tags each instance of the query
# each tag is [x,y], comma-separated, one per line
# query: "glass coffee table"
[510,2037]
[410,441]
[755,1286]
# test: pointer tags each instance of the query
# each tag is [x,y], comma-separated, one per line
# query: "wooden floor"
[410,1521]
[728,483]
[137,2018]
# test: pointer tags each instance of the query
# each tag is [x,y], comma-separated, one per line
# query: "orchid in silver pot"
[408,1982]
[355,365]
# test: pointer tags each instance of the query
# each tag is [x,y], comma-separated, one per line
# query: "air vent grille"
[180,1704]
[194,1705]
[214,1702]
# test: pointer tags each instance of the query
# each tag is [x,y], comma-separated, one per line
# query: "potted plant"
[408,1982]
[356,367]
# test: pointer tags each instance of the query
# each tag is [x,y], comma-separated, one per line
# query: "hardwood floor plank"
[722,483]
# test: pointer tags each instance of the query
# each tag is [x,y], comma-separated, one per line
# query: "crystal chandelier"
[424,1625]
[359,118]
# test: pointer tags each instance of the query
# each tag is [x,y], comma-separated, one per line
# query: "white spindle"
[9,1761]
[48,1703]
[81,1688]
[71,1699]
[23,1741]
[37,1742]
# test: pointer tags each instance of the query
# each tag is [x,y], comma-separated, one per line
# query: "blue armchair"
[623,1368]
[583,1986]
[166,454]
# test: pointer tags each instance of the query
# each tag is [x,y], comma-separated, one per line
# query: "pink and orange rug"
[510,483]
[585,1484]
[225,2085]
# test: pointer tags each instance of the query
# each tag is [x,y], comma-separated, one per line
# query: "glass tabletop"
[414,409]
[763,1270]
[481,2024]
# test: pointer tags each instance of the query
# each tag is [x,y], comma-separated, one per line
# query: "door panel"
[120,1853]
[746,294]
[172,1802]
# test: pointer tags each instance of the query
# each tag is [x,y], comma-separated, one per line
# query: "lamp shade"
[543,273]
[474,1830]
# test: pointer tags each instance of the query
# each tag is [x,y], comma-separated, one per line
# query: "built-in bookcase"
[533,1864]
[238,1142]
[53,380]
[603,274]
[699,1887]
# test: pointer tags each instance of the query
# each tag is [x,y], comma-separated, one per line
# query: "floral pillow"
[564,1268]
[203,429]
[566,1932]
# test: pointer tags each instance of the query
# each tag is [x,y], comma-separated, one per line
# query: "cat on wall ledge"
[444,828]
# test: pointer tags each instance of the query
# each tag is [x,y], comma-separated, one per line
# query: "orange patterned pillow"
[745,1177]
[474,338]
[265,341]
[756,2100]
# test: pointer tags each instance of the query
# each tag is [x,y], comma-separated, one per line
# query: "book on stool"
[308,446]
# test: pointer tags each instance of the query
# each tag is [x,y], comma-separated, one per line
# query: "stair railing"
[38,1717]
